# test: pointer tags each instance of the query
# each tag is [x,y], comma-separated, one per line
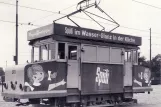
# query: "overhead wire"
[147,4]
[6,21]
[59,12]
[67,7]
[29,7]
[65,14]
[75,17]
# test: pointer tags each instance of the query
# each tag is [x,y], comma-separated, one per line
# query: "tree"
[2,73]
[156,63]
[156,69]
[142,61]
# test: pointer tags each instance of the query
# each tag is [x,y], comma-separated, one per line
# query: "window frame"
[40,51]
[82,57]
[122,56]
[136,57]
[56,51]
[98,47]
[103,62]
[132,58]
[76,54]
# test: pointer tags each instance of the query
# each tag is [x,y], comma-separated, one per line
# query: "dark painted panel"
[142,76]
[116,80]
[45,76]
[97,78]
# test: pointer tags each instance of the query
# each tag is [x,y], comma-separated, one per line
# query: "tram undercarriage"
[112,100]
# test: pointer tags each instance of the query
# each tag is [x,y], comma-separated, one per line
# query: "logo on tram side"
[102,77]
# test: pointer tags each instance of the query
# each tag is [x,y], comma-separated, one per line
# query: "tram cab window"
[61,50]
[128,56]
[36,54]
[72,52]
[131,56]
[44,52]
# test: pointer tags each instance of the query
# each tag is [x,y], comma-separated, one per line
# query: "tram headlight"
[5,86]
[13,86]
[21,87]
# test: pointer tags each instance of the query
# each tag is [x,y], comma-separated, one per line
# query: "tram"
[73,66]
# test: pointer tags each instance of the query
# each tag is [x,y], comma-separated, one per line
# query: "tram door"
[128,68]
[73,68]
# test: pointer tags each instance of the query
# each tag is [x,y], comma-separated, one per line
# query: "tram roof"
[82,33]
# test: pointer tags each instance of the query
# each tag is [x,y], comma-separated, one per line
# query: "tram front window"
[128,56]
[44,52]
[36,54]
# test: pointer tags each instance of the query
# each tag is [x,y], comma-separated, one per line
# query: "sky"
[134,19]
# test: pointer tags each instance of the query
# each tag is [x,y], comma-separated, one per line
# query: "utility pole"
[16,47]
[150,46]
[150,49]
[150,54]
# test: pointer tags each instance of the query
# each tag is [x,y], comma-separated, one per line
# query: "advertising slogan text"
[98,35]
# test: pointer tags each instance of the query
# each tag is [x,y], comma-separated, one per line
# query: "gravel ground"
[144,100]
[150,100]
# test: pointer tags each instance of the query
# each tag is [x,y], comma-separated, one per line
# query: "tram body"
[71,65]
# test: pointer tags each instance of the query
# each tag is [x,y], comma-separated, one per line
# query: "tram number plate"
[13,71]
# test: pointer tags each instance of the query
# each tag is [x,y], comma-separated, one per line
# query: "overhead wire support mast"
[16,47]
[150,51]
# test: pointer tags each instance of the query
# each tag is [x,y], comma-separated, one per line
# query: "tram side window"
[44,52]
[61,50]
[90,53]
[36,54]
[116,56]
[103,54]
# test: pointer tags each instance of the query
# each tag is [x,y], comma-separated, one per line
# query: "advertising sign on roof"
[40,32]
[84,33]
